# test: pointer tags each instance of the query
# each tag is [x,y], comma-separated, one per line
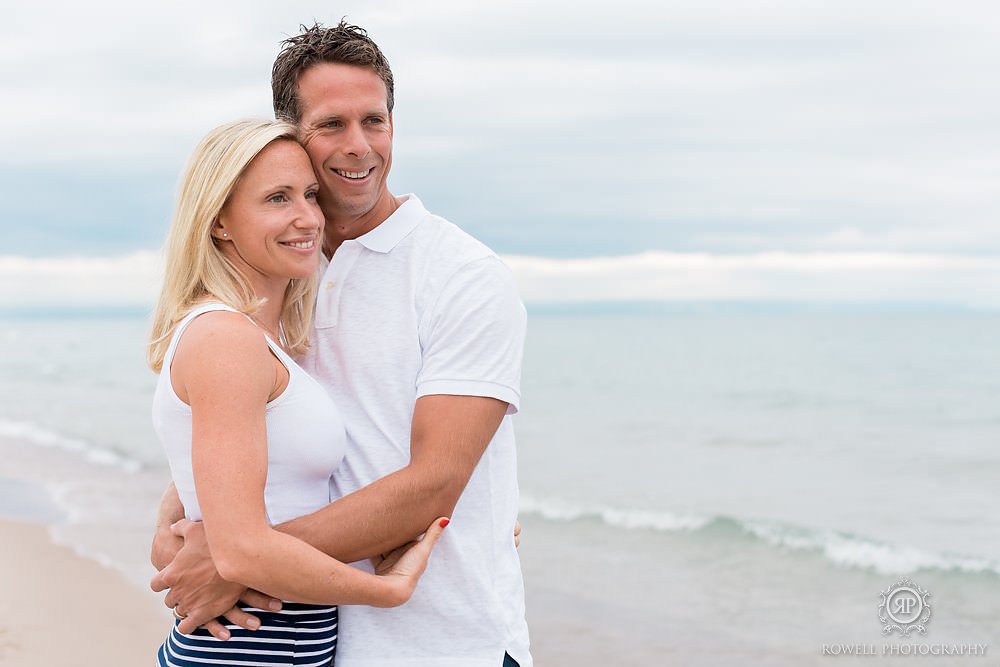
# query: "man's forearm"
[447,438]
[374,520]
[165,544]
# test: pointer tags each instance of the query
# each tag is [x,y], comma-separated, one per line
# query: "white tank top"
[305,437]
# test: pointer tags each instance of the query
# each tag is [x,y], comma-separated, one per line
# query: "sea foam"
[839,548]
[33,434]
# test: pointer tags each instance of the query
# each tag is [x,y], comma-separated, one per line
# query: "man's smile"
[354,175]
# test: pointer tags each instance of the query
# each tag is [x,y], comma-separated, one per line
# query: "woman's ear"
[219,232]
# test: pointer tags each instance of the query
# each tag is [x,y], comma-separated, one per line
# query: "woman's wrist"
[393,590]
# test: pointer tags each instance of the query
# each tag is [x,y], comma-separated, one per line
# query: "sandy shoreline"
[650,600]
[54,602]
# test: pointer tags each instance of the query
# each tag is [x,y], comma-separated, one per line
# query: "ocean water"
[700,486]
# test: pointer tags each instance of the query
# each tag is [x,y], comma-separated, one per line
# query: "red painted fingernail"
[444,522]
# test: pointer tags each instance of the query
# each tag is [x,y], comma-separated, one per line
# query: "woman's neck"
[269,314]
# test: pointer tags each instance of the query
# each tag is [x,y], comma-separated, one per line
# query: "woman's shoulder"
[220,339]
[226,332]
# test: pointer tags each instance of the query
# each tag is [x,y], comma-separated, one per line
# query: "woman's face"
[272,227]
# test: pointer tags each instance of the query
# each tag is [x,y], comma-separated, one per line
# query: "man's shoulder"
[441,253]
[448,243]
[446,259]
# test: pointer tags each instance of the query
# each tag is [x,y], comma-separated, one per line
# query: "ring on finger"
[179,616]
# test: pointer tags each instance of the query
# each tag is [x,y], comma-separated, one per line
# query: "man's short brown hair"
[344,44]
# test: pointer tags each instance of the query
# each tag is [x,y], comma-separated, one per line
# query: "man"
[418,337]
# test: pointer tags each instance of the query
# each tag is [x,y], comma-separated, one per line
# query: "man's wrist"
[164,548]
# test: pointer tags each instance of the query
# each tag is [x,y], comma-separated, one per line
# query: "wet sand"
[59,608]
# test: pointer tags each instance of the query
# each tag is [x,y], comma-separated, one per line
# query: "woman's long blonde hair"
[196,270]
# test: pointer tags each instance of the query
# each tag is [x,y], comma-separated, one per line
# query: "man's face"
[347,132]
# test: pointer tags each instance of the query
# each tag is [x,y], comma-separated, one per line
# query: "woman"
[250,437]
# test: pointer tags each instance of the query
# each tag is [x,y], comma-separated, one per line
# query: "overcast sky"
[555,129]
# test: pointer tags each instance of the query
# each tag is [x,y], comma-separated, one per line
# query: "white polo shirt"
[416,307]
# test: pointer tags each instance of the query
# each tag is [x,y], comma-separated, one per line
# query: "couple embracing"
[337,371]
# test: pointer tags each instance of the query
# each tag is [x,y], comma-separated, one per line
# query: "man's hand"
[517,533]
[198,593]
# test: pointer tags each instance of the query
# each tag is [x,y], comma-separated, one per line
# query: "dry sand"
[57,608]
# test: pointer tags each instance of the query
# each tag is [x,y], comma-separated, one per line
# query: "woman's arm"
[225,371]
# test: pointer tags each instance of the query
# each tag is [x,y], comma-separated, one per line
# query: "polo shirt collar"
[396,227]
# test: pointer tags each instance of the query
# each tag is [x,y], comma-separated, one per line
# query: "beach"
[55,606]
[648,607]
[708,488]
[55,603]
[54,598]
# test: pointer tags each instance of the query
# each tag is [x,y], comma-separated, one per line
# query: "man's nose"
[355,142]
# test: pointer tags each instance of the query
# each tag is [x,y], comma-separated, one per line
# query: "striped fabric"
[300,635]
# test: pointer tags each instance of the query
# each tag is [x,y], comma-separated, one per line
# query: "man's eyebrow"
[326,118]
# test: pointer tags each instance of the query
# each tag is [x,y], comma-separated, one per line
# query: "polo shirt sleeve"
[472,339]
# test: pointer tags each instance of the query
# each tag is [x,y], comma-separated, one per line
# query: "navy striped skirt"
[300,635]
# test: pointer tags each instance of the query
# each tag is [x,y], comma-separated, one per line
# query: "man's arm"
[165,544]
[448,437]
[472,341]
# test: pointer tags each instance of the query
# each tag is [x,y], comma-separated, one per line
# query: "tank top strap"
[279,351]
[285,359]
[188,319]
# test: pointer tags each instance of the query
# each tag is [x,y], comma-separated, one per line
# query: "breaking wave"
[839,548]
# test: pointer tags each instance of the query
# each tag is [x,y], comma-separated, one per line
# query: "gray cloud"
[818,278]
[554,128]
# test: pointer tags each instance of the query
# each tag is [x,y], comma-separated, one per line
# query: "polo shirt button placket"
[328,306]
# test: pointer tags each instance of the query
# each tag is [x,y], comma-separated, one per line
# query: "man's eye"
[332,123]
[375,121]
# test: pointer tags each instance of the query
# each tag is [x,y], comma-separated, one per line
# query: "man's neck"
[340,228]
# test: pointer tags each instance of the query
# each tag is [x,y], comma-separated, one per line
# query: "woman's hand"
[401,568]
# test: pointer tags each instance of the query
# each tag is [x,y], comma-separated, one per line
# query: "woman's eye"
[277,198]
[312,194]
